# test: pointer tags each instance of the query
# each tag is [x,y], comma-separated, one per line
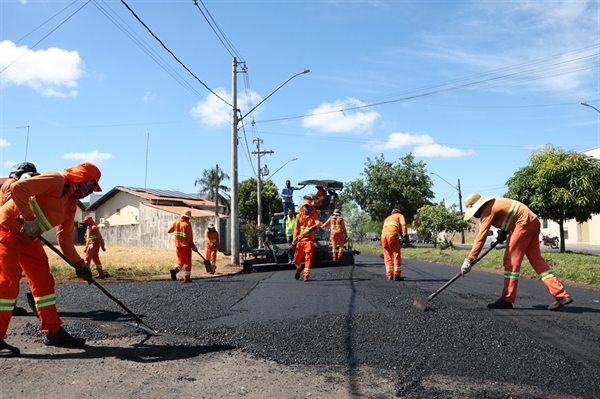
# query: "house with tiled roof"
[136,216]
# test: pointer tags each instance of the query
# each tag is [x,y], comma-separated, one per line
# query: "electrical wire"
[220,35]
[43,38]
[172,54]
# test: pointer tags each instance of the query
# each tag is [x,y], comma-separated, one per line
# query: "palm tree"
[207,184]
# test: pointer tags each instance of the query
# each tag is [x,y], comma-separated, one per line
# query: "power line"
[220,35]
[172,54]
[43,38]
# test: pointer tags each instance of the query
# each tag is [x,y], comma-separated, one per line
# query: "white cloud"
[4,143]
[423,145]
[215,112]
[51,72]
[93,156]
[149,96]
[329,118]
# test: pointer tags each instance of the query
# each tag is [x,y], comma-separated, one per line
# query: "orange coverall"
[523,240]
[93,243]
[305,248]
[319,198]
[338,235]
[212,245]
[184,242]
[390,242]
[58,204]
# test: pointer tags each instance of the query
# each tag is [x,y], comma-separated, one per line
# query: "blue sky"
[469,87]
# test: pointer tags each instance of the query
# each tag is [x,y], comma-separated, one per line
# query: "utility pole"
[462,233]
[258,153]
[217,224]
[234,216]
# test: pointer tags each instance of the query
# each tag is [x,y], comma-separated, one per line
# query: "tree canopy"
[558,185]
[208,182]
[387,185]
[437,218]
[248,200]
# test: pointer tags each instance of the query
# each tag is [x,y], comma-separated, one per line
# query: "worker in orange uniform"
[37,204]
[93,243]
[304,238]
[391,242]
[211,245]
[23,171]
[338,233]
[319,198]
[184,245]
[520,227]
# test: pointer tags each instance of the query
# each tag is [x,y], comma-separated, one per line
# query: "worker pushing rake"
[520,228]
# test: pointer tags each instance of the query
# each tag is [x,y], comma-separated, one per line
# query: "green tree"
[387,185]
[558,185]
[436,219]
[355,220]
[208,182]
[248,200]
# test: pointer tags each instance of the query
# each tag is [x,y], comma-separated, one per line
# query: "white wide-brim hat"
[473,202]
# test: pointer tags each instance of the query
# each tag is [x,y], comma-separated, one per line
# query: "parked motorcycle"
[548,241]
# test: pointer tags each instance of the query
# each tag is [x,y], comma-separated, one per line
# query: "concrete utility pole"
[234,217]
[258,153]
[217,224]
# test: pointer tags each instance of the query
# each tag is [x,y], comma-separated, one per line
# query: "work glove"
[501,236]
[83,271]
[405,239]
[195,249]
[466,267]
[31,228]
[103,249]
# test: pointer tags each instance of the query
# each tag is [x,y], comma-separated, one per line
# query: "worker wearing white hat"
[520,227]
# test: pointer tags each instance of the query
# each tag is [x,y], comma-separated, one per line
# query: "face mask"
[86,224]
[211,230]
[83,189]
[477,214]
[306,209]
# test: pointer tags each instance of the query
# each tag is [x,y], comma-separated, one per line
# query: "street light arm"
[273,174]
[273,92]
[451,185]
[588,105]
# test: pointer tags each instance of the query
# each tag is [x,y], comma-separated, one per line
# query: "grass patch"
[583,268]
[129,262]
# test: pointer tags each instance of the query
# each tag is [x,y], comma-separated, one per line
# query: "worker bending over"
[520,227]
[37,205]
[211,245]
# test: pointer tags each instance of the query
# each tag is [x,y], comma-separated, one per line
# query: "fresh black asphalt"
[353,315]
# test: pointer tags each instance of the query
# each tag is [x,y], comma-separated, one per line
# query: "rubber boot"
[7,350]
[63,339]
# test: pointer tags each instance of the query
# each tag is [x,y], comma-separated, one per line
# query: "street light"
[235,250]
[293,159]
[459,201]
[588,105]
[27,142]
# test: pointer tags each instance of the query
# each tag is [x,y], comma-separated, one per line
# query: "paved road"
[350,317]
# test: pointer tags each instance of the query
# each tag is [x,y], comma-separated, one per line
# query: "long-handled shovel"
[139,324]
[421,303]
[207,264]
[297,240]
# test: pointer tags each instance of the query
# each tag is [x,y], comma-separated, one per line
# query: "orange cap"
[85,171]
[88,218]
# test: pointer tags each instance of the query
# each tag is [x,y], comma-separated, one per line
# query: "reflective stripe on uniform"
[305,228]
[91,237]
[547,274]
[392,223]
[180,234]
[41,220]
[511,275]
[44,301]
[509,215]
[7,304]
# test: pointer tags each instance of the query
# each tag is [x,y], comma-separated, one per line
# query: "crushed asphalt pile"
[364,319]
